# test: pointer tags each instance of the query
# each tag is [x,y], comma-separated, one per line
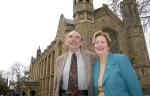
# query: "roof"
[69,21]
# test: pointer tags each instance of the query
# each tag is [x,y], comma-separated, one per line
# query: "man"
[84,59]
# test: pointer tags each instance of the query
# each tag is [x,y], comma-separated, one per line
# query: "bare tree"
[144,11]
[143,8]
[16,73]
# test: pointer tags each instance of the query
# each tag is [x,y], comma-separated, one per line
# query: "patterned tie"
[73,77]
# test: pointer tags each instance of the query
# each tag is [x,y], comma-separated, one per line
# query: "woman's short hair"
[100,33]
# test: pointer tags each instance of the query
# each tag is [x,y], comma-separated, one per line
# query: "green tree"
[3,84]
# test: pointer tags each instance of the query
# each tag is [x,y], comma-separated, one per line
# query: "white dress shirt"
[82,83]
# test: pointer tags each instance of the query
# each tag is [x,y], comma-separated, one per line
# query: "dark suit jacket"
[89,59]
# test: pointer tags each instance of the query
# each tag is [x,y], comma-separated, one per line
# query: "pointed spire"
[38,52]
[32,60]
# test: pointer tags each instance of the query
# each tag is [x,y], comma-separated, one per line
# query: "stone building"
[127,37]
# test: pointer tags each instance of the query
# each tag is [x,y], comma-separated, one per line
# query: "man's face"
[73,40]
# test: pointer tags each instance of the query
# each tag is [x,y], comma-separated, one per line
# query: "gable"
[64,26]
[105,17]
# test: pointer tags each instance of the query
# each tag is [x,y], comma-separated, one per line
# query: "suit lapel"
[62,64]
[96,72]
[108,69]
[86,59]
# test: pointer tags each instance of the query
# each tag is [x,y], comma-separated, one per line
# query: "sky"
[27,24]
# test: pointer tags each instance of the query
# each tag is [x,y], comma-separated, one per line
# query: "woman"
[113,74]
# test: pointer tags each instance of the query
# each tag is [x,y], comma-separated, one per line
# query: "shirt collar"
[78,52]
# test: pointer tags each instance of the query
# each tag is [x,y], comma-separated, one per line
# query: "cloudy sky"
[27,24]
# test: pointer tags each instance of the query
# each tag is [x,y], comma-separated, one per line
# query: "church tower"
[136,43]
[84,21]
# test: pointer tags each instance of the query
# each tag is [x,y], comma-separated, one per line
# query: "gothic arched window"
[53,61]
[59,48]
[114,41]
[49,62]
[87,0]
[75,2]
[80,0]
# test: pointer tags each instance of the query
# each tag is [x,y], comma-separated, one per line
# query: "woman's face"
[101,45]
